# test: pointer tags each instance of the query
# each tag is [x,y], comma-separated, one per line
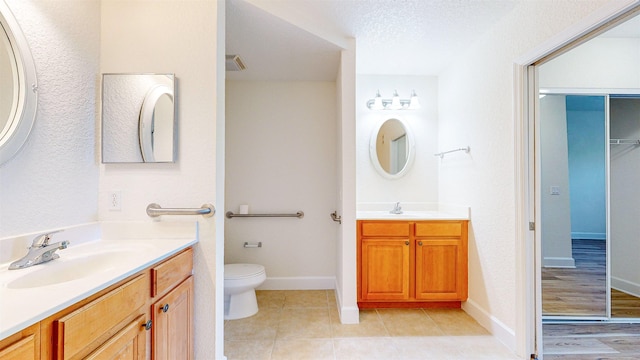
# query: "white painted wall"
[476,108]
[624,195]
[281,158]
[346,281]
[556,209]
[420,184]
[616,61]
[52,182]
[171,37]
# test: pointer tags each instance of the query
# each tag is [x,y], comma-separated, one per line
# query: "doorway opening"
[533,78]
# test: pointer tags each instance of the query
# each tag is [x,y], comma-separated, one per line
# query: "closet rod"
[624,141]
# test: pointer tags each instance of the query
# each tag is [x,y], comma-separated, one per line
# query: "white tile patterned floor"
[304,325]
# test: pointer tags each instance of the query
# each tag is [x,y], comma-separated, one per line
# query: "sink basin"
[69,269]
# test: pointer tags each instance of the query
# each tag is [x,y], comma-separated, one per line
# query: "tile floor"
[304,325]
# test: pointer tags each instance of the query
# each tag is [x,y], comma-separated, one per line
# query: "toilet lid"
[239,271]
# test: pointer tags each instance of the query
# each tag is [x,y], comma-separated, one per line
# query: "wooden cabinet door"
[129,343]
[172,330]
[440,270]
[385,269]
[24,345]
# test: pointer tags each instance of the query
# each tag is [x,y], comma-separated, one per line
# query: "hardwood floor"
[624,305]
[591,341]
[582,291]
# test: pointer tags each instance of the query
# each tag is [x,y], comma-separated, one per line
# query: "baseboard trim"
[299,283]
[348,314]
[497,328]
[628,287]
[559,262]
[588,236]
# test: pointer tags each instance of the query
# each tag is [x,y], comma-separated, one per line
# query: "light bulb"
[414,102]
[377,102]
[395,101]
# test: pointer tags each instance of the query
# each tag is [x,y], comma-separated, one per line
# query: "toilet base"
[241,305]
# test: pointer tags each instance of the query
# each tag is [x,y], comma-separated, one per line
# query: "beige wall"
[476,107]
[171,37]
[281,158]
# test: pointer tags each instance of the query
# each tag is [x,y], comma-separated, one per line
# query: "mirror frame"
[373,154]
[19,127]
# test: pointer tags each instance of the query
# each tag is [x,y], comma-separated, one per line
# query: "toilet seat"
[242,271]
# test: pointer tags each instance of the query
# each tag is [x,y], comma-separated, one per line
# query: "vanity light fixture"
[395,103]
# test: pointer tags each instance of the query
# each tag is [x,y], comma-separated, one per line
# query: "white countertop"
[119,259]
[409,215]
[412,211]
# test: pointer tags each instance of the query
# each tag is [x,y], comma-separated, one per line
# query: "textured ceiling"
[273,49]
[395,37]
[293,40]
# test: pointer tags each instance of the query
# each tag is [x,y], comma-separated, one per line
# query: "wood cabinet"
[412,263]
[82,331]
[130,343]
[172,313]
[114,323]
[24,345]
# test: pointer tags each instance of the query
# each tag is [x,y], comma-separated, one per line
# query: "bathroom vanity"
[138,307]
[411,262]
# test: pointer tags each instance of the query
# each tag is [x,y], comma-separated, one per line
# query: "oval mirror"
[392,148]
[18,98]
[156,125]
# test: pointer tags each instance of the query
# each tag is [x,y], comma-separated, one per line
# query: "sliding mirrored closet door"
[573,156]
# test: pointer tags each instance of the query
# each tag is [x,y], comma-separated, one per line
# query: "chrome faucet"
[397,209]
[40,252]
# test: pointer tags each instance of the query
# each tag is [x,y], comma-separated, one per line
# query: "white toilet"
[240,282]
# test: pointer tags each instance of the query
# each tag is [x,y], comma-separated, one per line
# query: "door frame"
[528,304]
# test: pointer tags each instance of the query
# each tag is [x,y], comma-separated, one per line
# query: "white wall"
[171,37]
[420,184]
[346,281]
[624,195]
[281,158]
[556,209]
[606,63]
[53,181]
[476,108]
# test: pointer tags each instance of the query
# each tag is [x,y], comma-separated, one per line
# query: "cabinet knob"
[147,325]
[165,308]
[406,243]
[420,243]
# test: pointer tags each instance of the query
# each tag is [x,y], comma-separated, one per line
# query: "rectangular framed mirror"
[138,118]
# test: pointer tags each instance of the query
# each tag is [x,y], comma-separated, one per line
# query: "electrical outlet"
[115,201]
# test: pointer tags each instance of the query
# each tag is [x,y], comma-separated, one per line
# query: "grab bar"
[230,215]
[155,210]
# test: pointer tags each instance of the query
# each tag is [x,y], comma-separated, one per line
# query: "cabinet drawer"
[77,331]
[388,228]
[171,272]
[439,228]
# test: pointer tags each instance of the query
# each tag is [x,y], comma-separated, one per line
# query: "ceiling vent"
[234,63]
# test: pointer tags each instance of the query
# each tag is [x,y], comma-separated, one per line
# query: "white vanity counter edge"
[22,307]
[412,211]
